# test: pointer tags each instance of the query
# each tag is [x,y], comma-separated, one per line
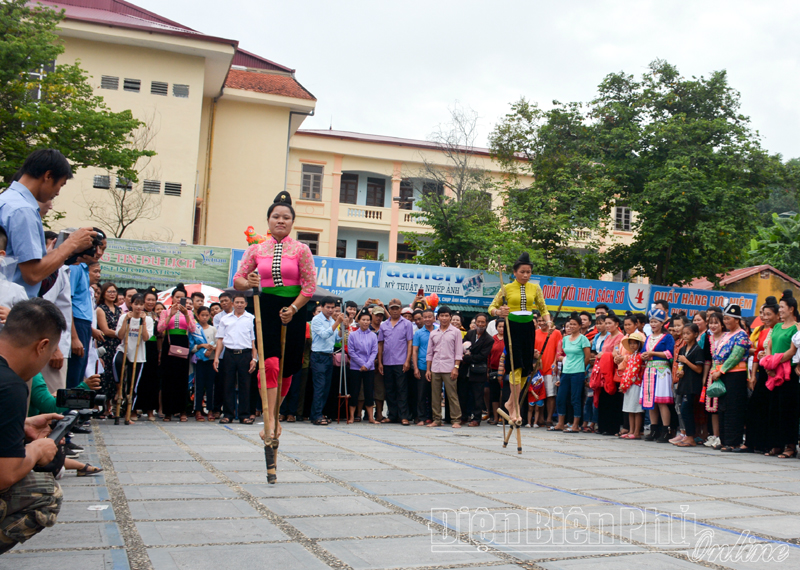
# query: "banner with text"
[339,275]
[453,285]
[135,263]
[694,300]
[585,294]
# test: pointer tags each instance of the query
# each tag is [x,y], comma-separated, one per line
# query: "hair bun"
[787,294]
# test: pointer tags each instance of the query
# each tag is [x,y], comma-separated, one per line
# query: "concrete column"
[396,179]
[335,189]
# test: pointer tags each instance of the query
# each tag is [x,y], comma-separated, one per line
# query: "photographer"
[40,178]
[29,501]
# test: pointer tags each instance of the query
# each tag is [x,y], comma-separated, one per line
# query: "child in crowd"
[202,343]
[690,382]
[127,331]
[631,385]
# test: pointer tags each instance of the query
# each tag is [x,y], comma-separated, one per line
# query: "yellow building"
[225,125]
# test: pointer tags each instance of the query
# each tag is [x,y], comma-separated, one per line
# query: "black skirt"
[784,414]
[174,377]
[521,345]
[758,414]
[149,384]
[271,306]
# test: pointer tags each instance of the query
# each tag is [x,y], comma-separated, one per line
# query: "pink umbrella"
[211,293]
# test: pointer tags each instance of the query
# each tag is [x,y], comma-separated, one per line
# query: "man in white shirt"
[226,304]
[60,294]
[236,334]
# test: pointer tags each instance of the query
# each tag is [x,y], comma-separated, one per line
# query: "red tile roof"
[121,14]
[269,83]
[738,275]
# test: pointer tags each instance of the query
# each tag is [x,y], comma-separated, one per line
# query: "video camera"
[97,241]
[81,404]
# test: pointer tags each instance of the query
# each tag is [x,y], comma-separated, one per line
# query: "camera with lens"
[81,404]
[97,241]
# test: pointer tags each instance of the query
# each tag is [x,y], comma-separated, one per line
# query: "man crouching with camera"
[29,500]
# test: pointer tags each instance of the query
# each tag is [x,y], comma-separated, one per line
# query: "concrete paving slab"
[175,478]
[629,562]
[285,477]
[87,493]
[297,490]
[195,509]
[156,466]
[377,475]
[372,525]
[439,501]
[405,487]
[725,491]
[323,506]
[208,532]
[779,526]
[150,492]
[410,552]
[65,560]
[711,509]
[780,503]
[75,535]
[80,512]
[252,557]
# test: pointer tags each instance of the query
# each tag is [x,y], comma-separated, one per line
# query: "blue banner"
[693,300]
[339,275]
[236,258]
[452,285]
[585,294]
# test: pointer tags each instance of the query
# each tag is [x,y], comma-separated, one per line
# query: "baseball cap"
[406,310]
[395,303]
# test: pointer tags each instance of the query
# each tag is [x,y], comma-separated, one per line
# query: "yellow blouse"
[533,298]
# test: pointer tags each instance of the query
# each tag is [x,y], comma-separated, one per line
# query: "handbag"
[478,369]
[178,351]
[716,390]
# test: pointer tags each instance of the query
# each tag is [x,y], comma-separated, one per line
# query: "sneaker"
[73,447]
[71,454]
[711,441]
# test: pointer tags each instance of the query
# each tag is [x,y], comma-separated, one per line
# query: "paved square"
[191,495]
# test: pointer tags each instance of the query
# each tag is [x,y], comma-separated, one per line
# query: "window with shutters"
[159,88]
[172,189]
[367,249]
[311,240]
[102,181]
[622,221]
[405,252]
[132,85]
[348,189]
[341,248]
[376,192]
[109,82]
[430,188]
[151,186]
[124,184]
[179,90]
[312,182]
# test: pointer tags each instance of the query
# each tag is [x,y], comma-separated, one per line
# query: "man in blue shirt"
[40,180]
[420,344]
[324,334]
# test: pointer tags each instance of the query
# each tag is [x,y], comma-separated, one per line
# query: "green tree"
[561,216]
[456,201]
[778,245]
[676,151]
[686,161]
[43,105]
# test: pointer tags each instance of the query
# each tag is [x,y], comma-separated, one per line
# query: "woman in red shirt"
[495,381]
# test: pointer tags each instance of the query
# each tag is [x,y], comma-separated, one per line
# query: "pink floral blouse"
[295,267]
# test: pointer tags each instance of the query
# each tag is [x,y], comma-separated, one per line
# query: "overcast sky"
[394,68]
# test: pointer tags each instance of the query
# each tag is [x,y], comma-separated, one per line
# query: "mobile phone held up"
[420,292]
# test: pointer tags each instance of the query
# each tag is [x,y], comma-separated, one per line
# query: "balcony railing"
[365,213]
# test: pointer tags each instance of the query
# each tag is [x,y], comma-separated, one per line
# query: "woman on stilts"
[282,269]
[515,302]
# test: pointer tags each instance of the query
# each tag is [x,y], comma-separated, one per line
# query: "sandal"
[385,421]
[248,421]
[787,454]
[223,421]
[404,422]
[167,419]
[320,422]
[198,417]
[291,419]
[357,420]
[88,469]
[773,452]
[184,419]
[569,429]
[554,428]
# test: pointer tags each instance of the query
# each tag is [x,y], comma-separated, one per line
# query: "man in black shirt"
[29,500]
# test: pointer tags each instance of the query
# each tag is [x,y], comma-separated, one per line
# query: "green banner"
[135,263]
